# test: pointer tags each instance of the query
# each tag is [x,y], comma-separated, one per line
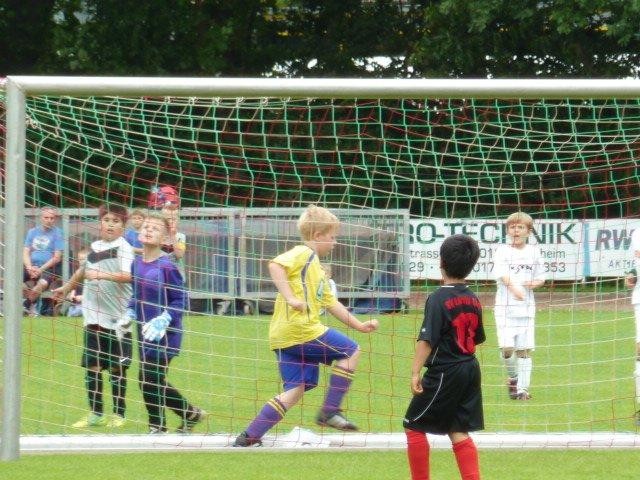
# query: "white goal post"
[19,88]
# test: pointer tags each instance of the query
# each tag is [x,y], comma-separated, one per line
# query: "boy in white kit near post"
[518,270]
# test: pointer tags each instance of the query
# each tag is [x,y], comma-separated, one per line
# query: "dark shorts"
[451,400]
[103,349]
[299,364]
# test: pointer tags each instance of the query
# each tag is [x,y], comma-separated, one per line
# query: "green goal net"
[402,174]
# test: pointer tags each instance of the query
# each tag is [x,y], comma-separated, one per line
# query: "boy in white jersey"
[517,270]
[632,282]
[107,329]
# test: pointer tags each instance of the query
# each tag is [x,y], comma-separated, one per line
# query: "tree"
[25,27]
[520,38]
[164,37]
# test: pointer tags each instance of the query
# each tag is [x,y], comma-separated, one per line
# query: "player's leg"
[152,378]
[92,362]
[466,455]
[506,343]
[297,377]
[467,417]
[525,344]
[178,404]
[337,347]
[120,359]
[418,454]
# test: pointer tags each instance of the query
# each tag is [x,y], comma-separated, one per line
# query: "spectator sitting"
[42,255]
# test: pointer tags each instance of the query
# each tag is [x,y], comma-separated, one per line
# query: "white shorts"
[517,333]
[636,309]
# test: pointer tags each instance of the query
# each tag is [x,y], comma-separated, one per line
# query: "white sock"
[525,366]
[511,365]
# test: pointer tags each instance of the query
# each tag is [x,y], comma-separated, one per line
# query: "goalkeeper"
[301,343]
[158,301]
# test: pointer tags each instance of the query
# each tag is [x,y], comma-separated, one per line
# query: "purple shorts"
[299,364]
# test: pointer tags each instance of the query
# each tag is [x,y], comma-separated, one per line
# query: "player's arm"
[279,277]
[176,295]
[60,293]
[341,313]
[514,288]
[423,350]
[535,283]
[118,277]
[121,276]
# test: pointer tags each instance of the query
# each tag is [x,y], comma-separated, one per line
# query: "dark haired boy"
[448,399]
[107,330]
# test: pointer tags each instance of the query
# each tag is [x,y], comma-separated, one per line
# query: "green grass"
[582,382]
[260,465]
[582,377]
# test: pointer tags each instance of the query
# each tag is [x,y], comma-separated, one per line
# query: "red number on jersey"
[466,325]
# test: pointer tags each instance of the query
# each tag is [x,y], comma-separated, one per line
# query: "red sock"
[467,457]
[418,453]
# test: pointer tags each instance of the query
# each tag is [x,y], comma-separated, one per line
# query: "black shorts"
[451,400]
[103,349]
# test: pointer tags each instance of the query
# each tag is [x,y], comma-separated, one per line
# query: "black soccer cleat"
[191,421]
[243,440]
[335,420]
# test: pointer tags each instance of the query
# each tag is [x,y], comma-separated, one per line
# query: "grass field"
[257,465]
[582,382]
[582,377]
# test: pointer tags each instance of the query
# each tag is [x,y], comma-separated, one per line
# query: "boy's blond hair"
[137,212]
[161,218]
[520,217]
[316,219]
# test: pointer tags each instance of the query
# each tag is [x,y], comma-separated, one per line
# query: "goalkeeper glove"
[155,329]
[124,322]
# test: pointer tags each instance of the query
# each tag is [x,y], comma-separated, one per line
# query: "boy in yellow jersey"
[301,343]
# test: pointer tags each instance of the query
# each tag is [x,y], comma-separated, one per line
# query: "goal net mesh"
[401,175]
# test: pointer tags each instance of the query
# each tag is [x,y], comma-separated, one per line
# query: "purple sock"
[339,384]
[272,412]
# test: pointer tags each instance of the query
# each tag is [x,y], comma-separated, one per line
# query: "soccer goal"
[403,164]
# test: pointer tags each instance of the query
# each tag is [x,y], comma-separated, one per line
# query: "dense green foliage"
[474,38]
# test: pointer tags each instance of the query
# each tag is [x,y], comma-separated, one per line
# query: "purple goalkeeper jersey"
[158,286]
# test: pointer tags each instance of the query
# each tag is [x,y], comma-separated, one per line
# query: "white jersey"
[635,247]
[105,301]
[520,265]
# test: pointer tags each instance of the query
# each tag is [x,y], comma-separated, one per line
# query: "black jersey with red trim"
[452,325]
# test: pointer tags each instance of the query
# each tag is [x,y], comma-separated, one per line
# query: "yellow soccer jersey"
[307,280]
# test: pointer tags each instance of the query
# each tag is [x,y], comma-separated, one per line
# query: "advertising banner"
[561,246]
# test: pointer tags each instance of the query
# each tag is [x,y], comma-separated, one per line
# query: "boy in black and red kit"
[448,399]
